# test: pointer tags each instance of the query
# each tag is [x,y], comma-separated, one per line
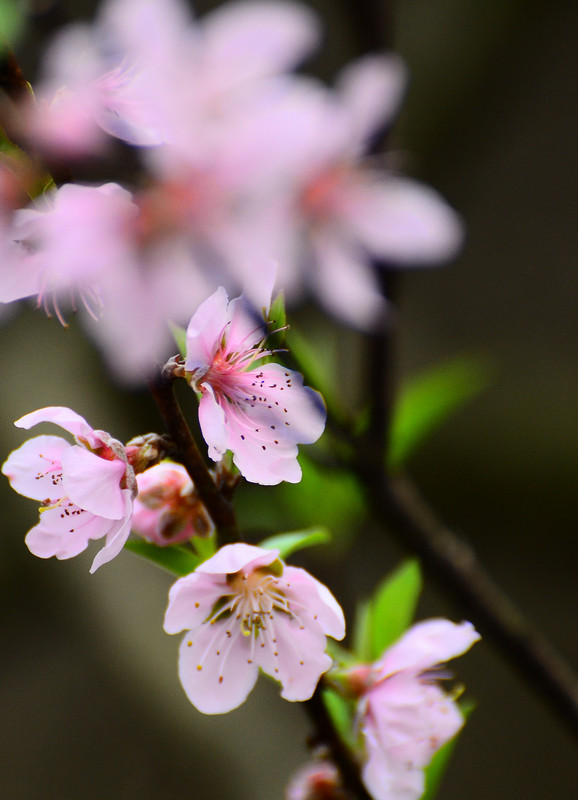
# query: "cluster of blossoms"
[245,168]
[251,175]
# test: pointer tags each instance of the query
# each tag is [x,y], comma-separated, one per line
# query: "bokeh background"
[90,704]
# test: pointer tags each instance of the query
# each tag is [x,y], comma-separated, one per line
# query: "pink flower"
[260,413]
[167,509]
[245,610]
[86,489]
[404,716]
[348,212]
[95,247]
[146,73]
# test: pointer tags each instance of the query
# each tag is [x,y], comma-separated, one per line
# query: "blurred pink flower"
[260,413]
[95,248]
[346,213]
[404,716]
[167,509]
[146,73]
[245,610]
[86,489]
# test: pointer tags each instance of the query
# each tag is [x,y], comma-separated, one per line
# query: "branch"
[220,509]
[455,566]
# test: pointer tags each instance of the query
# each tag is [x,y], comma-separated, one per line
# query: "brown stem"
[220,509]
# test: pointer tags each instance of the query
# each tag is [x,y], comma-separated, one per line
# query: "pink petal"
[426,644]
[345,283]
[235,557]
[412,720]
[387,779]
[294,654]
[213,424]
[191,601]
[35,469]
[309,593]
[205,330]
[250,40]
[117,535]
[371,89]
[93,483]
[403,221]
[64,418]
[64,532]
[227,672]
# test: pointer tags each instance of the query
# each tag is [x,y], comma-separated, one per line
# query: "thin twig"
[220,509]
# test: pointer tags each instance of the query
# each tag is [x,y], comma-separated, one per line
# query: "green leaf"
[176,559]
[429,399]
[341,712]
[288,543]
[389,613]
[436,769]
[11,22]
[362,631]
[206,546]
[278,322]
[180,337]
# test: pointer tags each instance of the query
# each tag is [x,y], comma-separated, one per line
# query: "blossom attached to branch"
[245,610]
[260,412]
[168,510]
[86,489]
[404,715]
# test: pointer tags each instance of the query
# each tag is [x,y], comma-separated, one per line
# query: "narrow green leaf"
[342,713]
[436,769]
[318,368]
[288,543]
[180,337]
[206,546]
[176,559]
[11,22]
[278,323]
[429,399]
[393,607]
[362,631]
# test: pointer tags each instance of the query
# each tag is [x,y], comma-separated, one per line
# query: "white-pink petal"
[371,90]
[65,418]
[93,483]
[235,557]
[34,469]
[426,644]
[403,221]
[216,670]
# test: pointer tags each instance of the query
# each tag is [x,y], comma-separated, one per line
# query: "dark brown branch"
[396,501]
[220,509]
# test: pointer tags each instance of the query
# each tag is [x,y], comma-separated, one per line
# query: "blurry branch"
[218,506]
[397,502]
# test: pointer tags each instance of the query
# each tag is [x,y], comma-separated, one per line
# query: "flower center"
[257,596]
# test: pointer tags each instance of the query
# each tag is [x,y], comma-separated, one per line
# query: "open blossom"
[97,249]
[167,509]
[405,717]
[147,73]
[348,212]
[86,489]
[244,610]
[260,412]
